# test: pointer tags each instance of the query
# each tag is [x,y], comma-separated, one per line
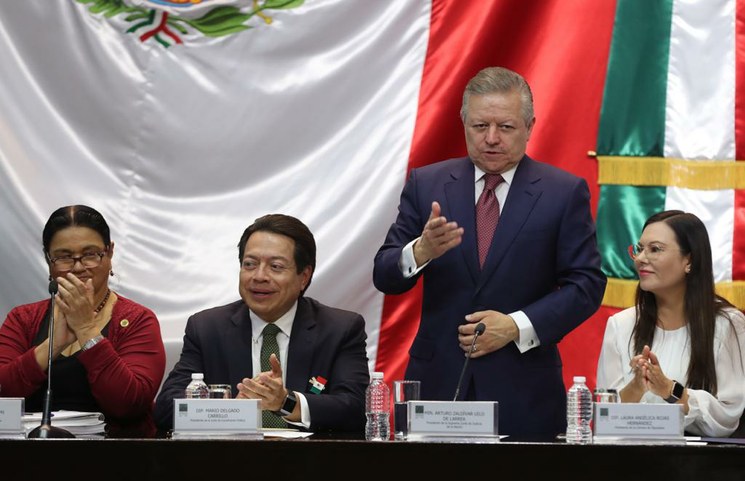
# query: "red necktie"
[487,215]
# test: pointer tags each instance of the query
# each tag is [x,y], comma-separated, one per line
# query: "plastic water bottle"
[378,409]
[197,387]
[579,412]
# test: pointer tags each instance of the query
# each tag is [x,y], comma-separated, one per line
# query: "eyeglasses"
[652,251]
[66,263]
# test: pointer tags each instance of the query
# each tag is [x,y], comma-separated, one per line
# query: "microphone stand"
[480,328]
[45,430]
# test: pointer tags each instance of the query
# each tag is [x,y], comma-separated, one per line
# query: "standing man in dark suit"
[318,380]
[503,240]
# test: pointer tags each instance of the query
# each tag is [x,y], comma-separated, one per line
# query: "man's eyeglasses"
[66,263]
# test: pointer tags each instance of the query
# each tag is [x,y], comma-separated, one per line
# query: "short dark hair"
[75,216]
[305,244]
[499,80]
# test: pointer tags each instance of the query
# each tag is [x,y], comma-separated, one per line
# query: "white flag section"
[700,114]
[309,113]
[700,98]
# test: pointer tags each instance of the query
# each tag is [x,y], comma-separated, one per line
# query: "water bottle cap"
[197,375]
[377,375]
[579,379]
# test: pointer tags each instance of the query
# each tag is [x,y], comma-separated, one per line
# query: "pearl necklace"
[103,303]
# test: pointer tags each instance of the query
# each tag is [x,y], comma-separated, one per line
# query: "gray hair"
[499,80]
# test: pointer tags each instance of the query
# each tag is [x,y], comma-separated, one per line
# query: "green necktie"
[269,345]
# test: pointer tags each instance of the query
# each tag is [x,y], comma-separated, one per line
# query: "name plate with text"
[11,415]
[618,422]
[216,416]
[453,419]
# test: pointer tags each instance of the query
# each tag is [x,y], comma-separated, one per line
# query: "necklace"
[103,303]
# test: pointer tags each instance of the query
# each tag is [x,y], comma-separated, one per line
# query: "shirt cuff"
[407,262]
[527,339]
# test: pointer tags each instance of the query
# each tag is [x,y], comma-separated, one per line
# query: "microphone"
[45,430]
[480,328]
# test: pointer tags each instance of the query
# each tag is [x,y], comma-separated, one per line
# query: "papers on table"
[285,433]
[79,423]
[261,434]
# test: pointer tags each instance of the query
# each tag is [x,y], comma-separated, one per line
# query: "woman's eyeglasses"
[89,261]
[652,251]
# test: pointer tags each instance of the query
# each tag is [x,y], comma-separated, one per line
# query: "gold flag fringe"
[621,293]
[659,171]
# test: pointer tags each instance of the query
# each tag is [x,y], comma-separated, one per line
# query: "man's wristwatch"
[91,342]
[288,406]
[676,393]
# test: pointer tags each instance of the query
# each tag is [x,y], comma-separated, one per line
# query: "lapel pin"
[318,384]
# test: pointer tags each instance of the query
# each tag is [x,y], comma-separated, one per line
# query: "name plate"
[453,419]
[11,415]
[638,421]
[216,416]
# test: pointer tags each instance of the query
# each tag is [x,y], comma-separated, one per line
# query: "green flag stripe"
[632,118]
[622,211]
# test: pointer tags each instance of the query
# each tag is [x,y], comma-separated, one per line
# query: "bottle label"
[197,390]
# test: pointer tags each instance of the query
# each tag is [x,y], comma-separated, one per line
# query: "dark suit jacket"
[324,341]
[543,260]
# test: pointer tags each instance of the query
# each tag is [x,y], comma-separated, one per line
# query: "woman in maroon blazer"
[108,355]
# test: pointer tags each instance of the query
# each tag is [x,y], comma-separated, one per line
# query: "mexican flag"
[670,134]
[183,121]
[671,131]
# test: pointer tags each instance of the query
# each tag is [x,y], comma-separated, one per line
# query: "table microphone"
[480,328]
[45,430]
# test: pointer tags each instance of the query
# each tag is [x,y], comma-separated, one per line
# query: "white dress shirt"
[284,323]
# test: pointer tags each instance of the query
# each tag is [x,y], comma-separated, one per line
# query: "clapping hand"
[75,301]
[637,367]
[654,379]
[267,387]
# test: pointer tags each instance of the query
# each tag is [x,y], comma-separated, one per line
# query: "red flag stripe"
[738,241]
